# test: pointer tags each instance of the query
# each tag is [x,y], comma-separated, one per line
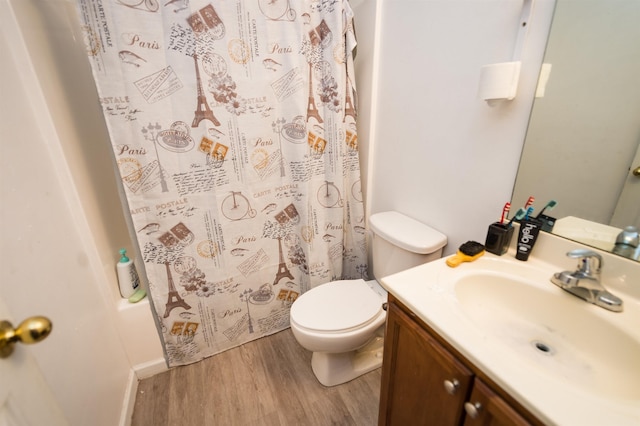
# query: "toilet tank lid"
[407,233]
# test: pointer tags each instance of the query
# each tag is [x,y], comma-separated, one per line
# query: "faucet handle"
[589,262]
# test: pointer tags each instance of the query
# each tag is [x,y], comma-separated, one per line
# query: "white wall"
[440,155]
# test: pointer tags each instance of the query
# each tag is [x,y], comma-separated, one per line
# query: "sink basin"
[553,331]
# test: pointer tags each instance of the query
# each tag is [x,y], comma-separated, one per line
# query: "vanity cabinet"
[427,382]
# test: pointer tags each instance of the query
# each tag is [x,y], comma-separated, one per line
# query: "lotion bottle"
[128,279]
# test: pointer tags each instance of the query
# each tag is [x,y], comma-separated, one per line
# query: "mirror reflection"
[582,144]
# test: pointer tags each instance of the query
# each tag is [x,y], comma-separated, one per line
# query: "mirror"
[583,139]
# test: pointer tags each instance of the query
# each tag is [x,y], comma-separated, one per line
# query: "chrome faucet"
[585,281]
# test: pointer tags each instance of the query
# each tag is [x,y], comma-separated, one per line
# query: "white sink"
[556,334]
[567,361]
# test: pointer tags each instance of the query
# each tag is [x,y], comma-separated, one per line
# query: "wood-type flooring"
[265,382]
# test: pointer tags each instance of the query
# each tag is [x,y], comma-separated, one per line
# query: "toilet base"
[333,369]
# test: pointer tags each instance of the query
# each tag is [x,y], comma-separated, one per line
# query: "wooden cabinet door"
[414,372]
[486,408]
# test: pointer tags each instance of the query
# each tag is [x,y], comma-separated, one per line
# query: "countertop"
[543,390]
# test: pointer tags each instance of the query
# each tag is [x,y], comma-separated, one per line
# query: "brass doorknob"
[636,171]
[31,330]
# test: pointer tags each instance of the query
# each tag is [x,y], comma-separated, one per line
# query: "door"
[48,261]
[25,397]
[627,210]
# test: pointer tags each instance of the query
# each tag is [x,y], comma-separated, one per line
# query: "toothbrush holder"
[498,238]
[547,222]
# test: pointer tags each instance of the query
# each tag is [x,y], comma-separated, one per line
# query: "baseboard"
[129,401]
[137,373]
[151,368]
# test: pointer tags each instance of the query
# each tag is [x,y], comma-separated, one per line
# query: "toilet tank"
[400,242]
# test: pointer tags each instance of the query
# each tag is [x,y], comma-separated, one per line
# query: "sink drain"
[543,347]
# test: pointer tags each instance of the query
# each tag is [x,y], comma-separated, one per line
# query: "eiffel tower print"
[201,114]
[174,300]
[312,110]
[348,105]
[283,271]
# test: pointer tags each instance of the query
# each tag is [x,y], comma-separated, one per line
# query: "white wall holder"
[500,81]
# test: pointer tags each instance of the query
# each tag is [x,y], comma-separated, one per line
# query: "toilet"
[342,322]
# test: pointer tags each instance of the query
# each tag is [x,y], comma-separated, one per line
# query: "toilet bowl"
[342,322]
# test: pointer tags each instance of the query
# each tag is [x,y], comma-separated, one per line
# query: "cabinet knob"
[473,410]
[451,386]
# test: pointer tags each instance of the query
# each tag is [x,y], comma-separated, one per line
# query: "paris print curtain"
[233,127]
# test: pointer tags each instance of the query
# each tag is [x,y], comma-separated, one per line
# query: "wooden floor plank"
[152,401]
[186,394]
[265,382]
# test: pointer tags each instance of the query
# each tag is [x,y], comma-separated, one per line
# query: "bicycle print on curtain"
[233,127]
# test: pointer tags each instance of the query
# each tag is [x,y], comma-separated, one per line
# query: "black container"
[498,238]
[527,237]
[547,222]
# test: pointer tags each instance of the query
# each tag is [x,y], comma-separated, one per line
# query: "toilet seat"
[337,306]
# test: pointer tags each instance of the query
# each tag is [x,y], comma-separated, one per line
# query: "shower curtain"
[233,128]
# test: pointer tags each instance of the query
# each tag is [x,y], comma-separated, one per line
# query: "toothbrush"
[529,202]
[519,215]
[528,213]
[551,204]
[505,210]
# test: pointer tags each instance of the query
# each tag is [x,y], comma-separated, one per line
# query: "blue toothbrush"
[528,213]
